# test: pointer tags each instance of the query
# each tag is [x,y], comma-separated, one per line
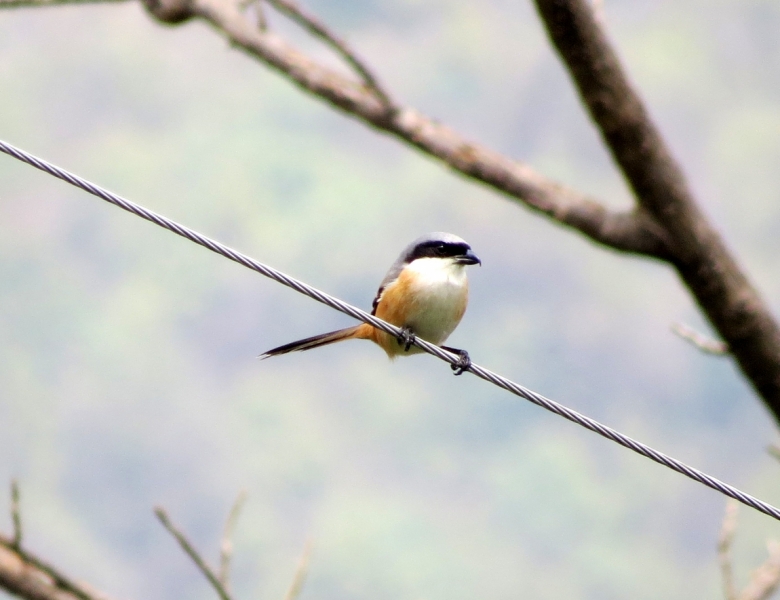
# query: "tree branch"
[189,549]
[631,231]
[667,224]
[27,576]
[28,3]
[764,580]
[16,517]
[703,343]
[300,574]
[729,301]
[317,28]
[24,575]
[226,546]
[22,570]
[26,581]
[725,540]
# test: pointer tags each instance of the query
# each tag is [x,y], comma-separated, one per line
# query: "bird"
[425,293]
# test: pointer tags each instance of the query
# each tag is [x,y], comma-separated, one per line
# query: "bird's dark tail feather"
[313,342]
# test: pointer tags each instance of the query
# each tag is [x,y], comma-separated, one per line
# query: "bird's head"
[445,246]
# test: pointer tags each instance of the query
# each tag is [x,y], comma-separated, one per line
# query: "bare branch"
[317,28]
[189,549]
[21,579]
[16,518]
[711,273]
[25,575]
[765,579]
[667,224]
[28,576]
[632,231]
[226,546]
[262,21]
[28,3]
[702,342]
[300,573]
[724,549]
[57,579]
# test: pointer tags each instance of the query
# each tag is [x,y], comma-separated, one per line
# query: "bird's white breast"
[439,292]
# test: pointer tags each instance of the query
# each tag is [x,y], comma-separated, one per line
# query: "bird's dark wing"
[390,277]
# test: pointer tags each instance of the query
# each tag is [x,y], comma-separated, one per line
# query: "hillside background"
[128,375]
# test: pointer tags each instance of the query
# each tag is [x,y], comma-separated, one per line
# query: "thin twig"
[632,231]
[262,20]
[702,342]
[317,28]
[15,545]
[16,517]
[765,579]
[724,549]
[226,546]
[300,573]
[29,3]
[192,553]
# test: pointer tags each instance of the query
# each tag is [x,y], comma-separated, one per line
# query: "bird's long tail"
[318,340]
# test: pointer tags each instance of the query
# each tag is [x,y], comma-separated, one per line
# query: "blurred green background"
[128,375]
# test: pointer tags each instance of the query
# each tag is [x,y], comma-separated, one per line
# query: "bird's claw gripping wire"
[406,338]
[463,363]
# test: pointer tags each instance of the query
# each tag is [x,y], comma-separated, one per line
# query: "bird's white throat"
[442,271]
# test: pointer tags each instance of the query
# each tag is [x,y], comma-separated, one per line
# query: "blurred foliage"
[127,369]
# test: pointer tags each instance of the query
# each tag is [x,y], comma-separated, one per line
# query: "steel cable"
[361,315]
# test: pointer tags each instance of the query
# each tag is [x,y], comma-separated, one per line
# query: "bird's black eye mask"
[437,249]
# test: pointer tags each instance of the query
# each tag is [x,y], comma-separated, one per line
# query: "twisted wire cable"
[303,288]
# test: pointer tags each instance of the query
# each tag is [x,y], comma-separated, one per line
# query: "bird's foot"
[406,338]
[463,363]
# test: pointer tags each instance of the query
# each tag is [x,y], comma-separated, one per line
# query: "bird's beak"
[469,259]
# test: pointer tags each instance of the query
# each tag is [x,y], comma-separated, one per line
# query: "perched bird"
[425,293]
